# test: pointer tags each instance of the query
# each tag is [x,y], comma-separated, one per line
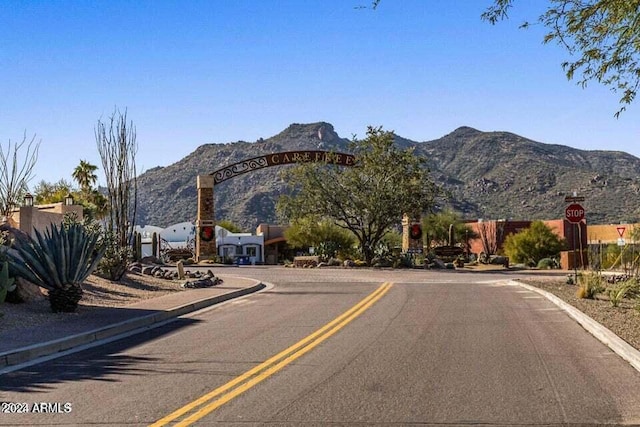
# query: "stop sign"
[574,213]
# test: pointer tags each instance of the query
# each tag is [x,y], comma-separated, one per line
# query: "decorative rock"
[150,260]
[135,269]
[148,271]
[180,269]
[25,291]
[200,283]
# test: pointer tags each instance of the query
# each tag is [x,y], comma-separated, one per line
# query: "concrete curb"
[604,335]
[28,353]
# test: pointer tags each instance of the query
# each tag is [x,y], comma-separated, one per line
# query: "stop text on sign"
[574,213]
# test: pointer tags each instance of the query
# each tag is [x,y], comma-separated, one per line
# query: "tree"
[490,234]
[47,192]
[436,229]
[16,173]
[322,234]
[117,146]
[533,244]
[603,34]
[85,176]
[367,198]
[94,203]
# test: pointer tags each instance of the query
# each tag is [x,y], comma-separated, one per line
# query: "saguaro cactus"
[154,245]
[138,249]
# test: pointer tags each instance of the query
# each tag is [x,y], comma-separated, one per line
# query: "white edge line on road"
[604,335]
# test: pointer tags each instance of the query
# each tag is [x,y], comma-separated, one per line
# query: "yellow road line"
[273,364]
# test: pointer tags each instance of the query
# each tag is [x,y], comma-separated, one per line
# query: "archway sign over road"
[279,159]
[574,213]
[205,184]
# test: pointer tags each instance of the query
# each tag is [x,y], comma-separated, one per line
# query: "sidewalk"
[99,323]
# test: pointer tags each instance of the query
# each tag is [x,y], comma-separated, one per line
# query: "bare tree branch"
[15,173]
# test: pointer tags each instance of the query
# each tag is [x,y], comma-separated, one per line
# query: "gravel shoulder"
[624,320]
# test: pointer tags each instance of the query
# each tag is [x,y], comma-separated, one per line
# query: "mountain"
[491,175]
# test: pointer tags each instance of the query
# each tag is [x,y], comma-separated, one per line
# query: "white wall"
[227,243]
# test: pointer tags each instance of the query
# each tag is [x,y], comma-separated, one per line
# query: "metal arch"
[283,158]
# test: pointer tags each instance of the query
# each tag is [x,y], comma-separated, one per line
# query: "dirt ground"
[97,292]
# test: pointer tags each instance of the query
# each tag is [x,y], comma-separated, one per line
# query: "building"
[32,217]
[245,248]
[611,234]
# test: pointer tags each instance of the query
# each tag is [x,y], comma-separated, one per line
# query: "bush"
[629,288]
[547,264]
[590,285]
[116,258]
[617,294]
[533,244]
[403,261]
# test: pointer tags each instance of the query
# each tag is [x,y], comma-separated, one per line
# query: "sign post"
[574,213]
[620,230]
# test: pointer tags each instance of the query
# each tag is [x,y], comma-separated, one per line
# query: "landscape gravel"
[98,293]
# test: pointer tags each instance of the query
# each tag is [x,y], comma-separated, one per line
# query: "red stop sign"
[574,213]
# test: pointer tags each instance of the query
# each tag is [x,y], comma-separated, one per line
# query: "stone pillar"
[410,244]
[205,219]
[26,219]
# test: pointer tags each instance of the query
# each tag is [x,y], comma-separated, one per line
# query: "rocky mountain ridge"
[491,175]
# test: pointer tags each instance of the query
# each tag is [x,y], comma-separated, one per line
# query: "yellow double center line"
[223,394]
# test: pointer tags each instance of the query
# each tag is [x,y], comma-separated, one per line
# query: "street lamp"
[28,199]
[68,201]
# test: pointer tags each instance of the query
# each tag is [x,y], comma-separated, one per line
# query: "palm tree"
[85,176]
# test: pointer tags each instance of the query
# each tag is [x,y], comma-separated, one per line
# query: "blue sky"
[196,72]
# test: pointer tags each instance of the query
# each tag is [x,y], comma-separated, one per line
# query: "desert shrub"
[334,262]
[533,244]
[547,264]
[116,258]
[403,261]
[618,293]
[590,285]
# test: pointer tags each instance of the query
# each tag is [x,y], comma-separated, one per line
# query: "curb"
[31,352]
[604,335]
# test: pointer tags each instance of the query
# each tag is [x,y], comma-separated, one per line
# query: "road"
[343,347]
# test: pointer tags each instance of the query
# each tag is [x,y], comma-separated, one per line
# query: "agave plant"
[58,260]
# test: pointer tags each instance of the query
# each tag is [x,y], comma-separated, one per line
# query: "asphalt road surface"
[340,347]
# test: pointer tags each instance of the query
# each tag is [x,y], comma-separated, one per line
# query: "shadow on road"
[102,363]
